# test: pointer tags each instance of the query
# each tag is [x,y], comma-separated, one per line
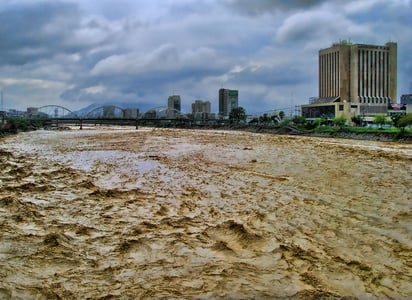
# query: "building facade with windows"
[174,102]
[200,106]
[201,110]
[406,100]
[228,100]
[173,106]
[355,79]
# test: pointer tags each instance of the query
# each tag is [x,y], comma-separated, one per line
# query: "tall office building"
[228,100]
[355,79]
[173,106]
[174,102]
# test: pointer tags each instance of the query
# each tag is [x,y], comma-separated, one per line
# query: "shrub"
[380,119]
[405,121]
[339,121]
[357,120]
[299,121]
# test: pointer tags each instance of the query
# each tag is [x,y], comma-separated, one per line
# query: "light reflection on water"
[123,160]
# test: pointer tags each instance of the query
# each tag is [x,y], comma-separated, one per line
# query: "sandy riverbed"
[158,213]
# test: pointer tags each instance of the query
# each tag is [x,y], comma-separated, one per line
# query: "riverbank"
[342,134]
[166,213]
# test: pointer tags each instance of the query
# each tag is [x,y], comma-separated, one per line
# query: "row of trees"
[15,124]
[239,115]
[380,120]
[396,120]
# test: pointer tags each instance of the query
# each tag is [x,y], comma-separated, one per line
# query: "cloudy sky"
[137,52]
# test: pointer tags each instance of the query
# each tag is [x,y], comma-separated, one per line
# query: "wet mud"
[161,213]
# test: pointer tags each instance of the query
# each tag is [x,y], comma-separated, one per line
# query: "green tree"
[254,121]
[237,114]
[264,118]
[395,119]
[357,120]
[299,120]
[402,123]
[405,121]
[339,121]
[309,125]
[380,119]
[281,114]
[317,122]
[323,120]
[274,118]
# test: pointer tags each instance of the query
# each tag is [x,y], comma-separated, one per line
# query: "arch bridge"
[54,112]
[106,111]
[106,114]
[110,114]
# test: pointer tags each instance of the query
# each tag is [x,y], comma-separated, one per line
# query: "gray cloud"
[78,52]
[36,31]
[255,8]
[309,26]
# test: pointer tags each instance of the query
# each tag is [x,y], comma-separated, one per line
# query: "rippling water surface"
[158,213]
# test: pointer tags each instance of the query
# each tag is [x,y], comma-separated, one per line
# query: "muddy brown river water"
[115,213]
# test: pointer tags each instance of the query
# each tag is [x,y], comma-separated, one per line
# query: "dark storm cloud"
[75,52]
[271,6]
[36,31]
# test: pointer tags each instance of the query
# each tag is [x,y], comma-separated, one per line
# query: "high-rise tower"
[355,79]
[228,100]
[174,103]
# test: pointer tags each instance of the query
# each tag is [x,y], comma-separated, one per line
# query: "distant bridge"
[52,111]
[109,114]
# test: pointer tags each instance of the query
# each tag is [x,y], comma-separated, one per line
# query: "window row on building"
[329,74]
[373,70]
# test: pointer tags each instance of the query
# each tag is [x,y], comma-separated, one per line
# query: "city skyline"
[75,53]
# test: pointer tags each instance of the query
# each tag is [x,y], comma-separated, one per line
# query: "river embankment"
[343,133]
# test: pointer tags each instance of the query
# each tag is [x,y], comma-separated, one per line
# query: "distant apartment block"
[200,106]
[32,111]
[131,113]
[406,99]
[201,110]
[228,100]
[355,79]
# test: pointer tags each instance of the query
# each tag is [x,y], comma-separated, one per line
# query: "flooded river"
[160,213]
